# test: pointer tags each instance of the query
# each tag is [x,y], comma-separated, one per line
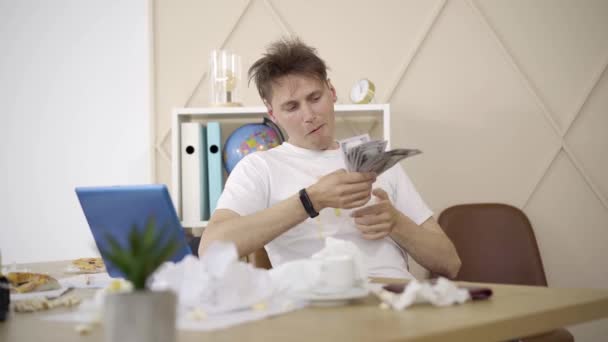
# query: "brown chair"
[260,259]
[496,244]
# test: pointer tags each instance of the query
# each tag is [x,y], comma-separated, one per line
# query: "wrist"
[315,198]
[402,226]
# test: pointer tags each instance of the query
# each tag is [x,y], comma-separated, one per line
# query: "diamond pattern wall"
[181,59]
[588,138]
[508,99]
[558,45]
[249,38]
[356,36]
[466,108]
[571,229]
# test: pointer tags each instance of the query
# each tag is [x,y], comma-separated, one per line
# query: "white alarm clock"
[362,92]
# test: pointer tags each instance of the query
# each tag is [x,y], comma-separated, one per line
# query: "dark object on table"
[5,298]
[475,292]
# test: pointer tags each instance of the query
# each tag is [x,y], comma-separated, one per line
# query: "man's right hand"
[341,189]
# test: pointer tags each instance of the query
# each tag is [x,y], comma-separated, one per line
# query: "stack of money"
[362,154]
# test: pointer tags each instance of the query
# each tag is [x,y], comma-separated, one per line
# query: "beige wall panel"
[559,44]
[186,33]
[588,136]
[163,166]
[254,31]
[483,136]
[359,39]
[571,228]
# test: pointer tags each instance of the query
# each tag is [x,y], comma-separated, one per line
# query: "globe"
[248,139]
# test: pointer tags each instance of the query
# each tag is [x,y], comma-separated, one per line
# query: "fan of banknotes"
[362,154]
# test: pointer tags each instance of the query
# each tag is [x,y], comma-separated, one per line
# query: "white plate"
[39,294]
[87,281]
[337,298]
[71,269]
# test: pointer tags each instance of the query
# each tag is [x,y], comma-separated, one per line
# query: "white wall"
[75,103]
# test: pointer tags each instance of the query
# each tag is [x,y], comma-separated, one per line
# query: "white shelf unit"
[351,120]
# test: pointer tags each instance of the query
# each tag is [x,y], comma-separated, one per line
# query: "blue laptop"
[113,210]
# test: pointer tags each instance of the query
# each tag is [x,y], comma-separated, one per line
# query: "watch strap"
[307,203]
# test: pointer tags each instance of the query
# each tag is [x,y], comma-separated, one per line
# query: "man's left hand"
[377,220]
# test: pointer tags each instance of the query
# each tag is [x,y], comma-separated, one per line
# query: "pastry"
[22,282]
[89,264]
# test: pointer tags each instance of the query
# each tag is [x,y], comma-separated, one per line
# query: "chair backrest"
[495,242]
[260,259]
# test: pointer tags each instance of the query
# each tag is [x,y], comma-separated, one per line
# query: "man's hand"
[341,189]
[377,220]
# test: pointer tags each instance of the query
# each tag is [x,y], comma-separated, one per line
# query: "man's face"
[304,107]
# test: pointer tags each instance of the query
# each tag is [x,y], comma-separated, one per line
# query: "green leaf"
[148,241]
[134,240]
[117,261]
[144,252]
[167,251]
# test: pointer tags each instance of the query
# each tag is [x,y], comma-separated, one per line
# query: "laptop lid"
[113,210]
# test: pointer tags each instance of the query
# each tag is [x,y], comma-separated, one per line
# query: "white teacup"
[338,274]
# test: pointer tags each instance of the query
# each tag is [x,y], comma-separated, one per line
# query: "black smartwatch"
[307,203]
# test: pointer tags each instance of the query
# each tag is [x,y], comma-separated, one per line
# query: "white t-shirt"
[262,179]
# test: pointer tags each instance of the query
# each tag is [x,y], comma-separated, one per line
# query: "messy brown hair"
[286,57]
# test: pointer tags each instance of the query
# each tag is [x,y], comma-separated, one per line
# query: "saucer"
[333,298]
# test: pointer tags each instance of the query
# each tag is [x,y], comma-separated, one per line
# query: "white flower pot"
[140,316]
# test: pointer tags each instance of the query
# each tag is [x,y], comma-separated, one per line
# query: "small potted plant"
[142,314]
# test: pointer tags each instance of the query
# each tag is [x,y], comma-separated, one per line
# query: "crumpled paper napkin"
[443,293]
[218,290]
[217,282]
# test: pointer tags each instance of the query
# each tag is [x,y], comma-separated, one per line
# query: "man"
[272,198]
